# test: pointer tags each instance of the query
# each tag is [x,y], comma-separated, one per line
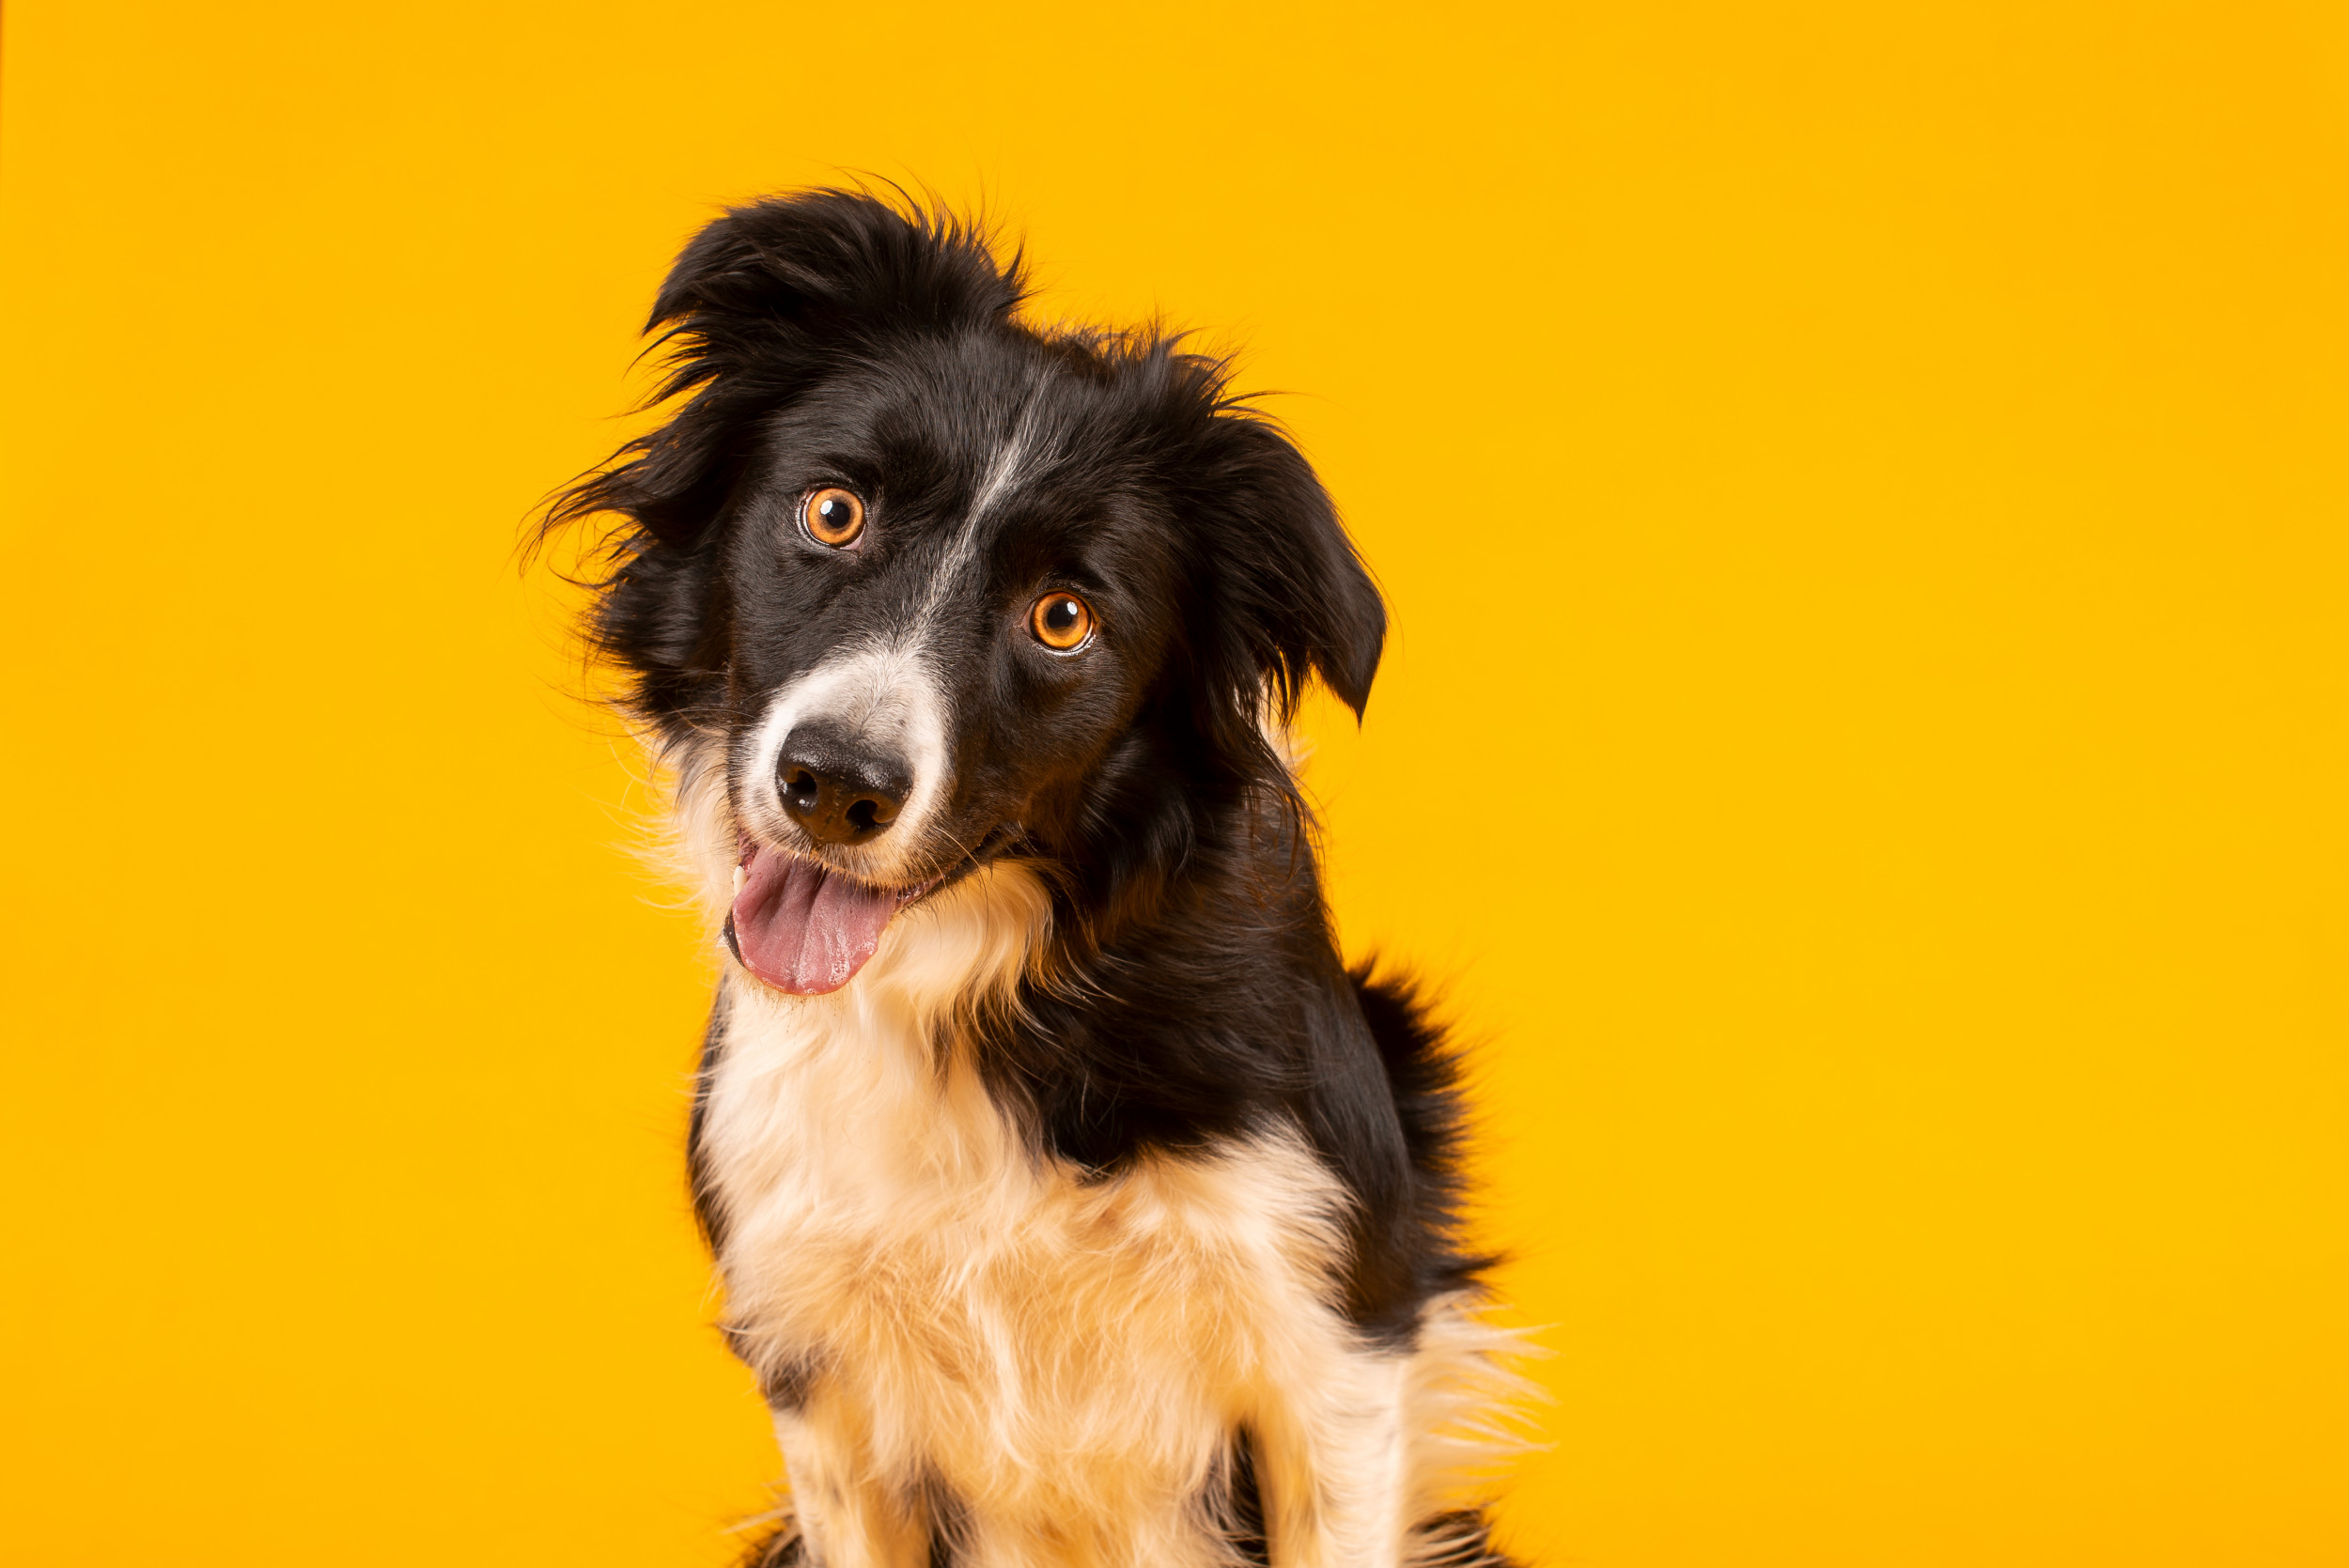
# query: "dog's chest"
[901,1265]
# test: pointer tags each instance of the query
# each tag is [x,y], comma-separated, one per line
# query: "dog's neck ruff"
[953,1326]
[933,1303]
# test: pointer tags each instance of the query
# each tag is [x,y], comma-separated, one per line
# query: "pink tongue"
[803,930]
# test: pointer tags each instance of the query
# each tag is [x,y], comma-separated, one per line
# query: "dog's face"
[952,593]
[950,589]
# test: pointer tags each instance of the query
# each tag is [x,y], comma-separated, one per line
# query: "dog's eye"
[833,517]
[1062,622]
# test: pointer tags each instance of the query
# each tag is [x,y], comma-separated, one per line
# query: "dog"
[1074,1202]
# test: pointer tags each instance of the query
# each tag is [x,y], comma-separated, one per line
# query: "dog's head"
[939,587]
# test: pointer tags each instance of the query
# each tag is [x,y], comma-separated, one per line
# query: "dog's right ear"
[762,305]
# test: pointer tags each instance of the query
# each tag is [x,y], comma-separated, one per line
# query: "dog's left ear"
[762,306]
[1293,593]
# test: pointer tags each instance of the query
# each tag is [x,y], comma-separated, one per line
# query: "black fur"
[780,1548]
[1243,1503]
[1467,1535]
[1193,991]
[949,1525]
[706,1212]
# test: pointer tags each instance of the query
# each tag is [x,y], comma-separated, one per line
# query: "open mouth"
[804,928]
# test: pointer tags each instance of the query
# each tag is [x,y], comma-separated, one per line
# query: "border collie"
[1075,1203]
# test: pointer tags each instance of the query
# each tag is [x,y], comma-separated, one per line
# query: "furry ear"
[1293,592]
[762,305]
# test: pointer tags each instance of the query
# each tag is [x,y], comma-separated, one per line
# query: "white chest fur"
[969,1338]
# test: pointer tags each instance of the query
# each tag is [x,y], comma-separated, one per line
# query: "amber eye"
[833,517]
[1062,622]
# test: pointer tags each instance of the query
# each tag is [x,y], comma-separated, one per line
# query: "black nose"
[839,791]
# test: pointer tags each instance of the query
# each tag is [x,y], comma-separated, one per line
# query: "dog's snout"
[838,791]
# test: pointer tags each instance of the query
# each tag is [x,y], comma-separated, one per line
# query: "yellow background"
[1861,492]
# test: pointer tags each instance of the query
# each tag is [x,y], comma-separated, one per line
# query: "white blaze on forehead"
[1001,470]
[1004,469]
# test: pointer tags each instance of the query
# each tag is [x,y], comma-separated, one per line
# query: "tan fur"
[949,1314]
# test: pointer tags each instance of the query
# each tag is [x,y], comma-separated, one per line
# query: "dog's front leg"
[849,1516]
[1334,1458]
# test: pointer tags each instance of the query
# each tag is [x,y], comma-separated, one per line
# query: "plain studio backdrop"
[1861,492]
